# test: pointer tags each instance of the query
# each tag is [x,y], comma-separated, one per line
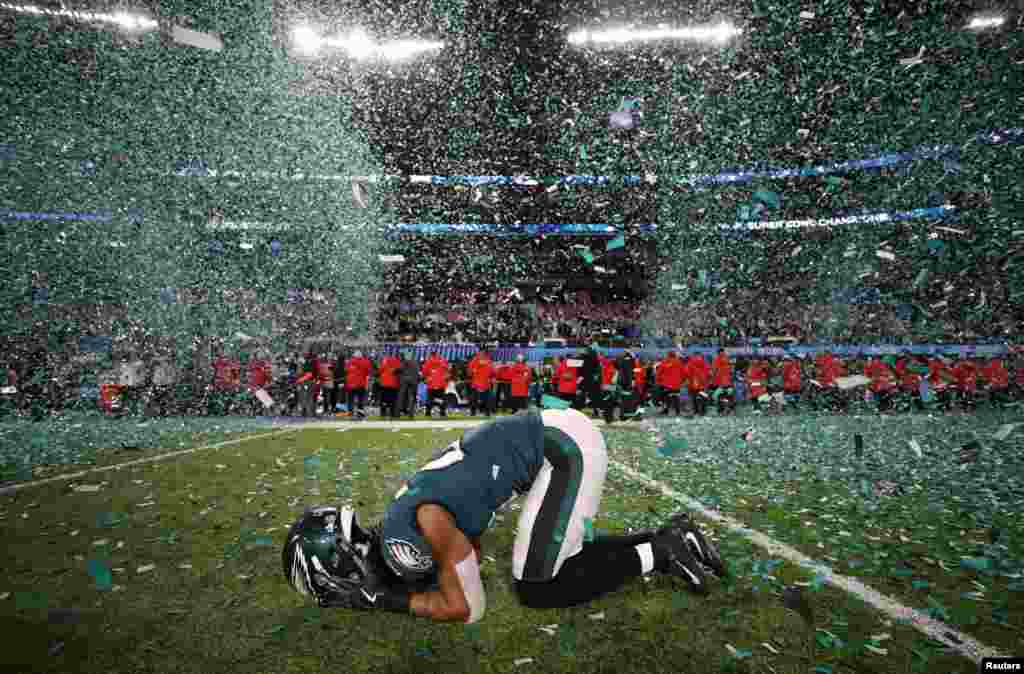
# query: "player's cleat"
[702,549]
[679,561]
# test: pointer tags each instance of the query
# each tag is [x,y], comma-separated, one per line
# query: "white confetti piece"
[522,661]
[876,650]
[5,595]
[146,504]
[185,565]
[807,15]
[102,541]
[75,532]
[117,588]
[881,637]
[146,568]
[120,544]
[1005,431]
[550,630]
[118,569]
[596,616]
[220,466]
[917,449]
[732,650]
[243,576]
[885,255]
[88,488]
[769,647]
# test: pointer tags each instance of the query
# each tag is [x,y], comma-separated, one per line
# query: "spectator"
[966,374]
[939,378]
[258,377]
[697,376]
[908,372]
[503,379]
[673,373]
[389,370]
[997,380]
[609,384]
[326,376]
[566,378]
[883,382]
[227,376]
[481,378]
[308,389]
[721,379]
[357,378]
[436,373]
[757,382]
[791,384]
[624,366]
[521,376]
[409,380]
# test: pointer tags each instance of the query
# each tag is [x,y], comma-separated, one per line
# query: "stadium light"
[983,22]
[360,46]
[306,40]
[716,34]
[130,22]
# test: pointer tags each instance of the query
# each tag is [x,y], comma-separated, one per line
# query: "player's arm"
[461,597]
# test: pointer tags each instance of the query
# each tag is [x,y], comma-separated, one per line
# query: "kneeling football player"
[424,557]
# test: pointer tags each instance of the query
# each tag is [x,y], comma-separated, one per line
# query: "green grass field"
[194,547]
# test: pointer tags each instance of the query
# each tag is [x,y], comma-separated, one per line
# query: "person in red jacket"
[672,373]
[640,380]
[325,376]
[997,380]
[966,374]
[826,370]
[566,378]
[258,377]
[436,372]
[791,383]
[522,377]
[357,376]
[757,382]
[939,379]
[481,378]
[389,383]
[503,390]
[908,373]
[609,380]
[883,382]
[721,380]
[698,374]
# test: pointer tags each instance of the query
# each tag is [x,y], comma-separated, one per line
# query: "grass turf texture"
[232,610]
[949,542]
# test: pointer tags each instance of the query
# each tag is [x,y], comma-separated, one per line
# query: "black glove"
[363,595]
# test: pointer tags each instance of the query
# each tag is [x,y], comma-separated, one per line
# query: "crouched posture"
[424,557]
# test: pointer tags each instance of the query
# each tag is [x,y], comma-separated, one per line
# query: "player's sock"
[599,568]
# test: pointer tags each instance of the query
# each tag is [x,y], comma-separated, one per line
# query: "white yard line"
[963,644]
[149,459]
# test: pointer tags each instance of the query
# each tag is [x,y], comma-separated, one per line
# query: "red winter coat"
[791,376]
[357,372]
[910,381]
[608,372]
[939,374]
[639,376]
[325,373]
[697,373]
[481,372]
[389,372]
[757,379]
[882,378]
[966,373]
[826,369]
[672,372]
[259,374]
[435,373]
[521,376]
[995,374]
[227,374]
[721,371]
[566,377]
[504,374]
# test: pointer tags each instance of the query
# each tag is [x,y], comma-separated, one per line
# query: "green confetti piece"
[101,574]
[823,669]
[567,639]
[976,563]
[588,529]
[920,584]
[26,601]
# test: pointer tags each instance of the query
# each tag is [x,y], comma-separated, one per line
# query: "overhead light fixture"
[127,21]
[360,46]
[985,22]
[716,34]
[306,40]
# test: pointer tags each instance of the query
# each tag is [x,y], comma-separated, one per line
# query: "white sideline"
[148,459]
[963,644]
